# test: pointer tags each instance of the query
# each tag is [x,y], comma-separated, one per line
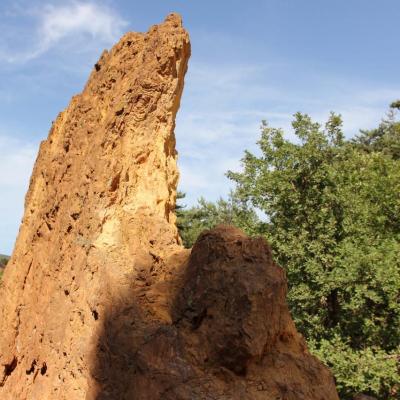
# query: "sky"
[251,60]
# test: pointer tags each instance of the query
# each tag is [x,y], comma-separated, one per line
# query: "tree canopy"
[332,210]
[385,138]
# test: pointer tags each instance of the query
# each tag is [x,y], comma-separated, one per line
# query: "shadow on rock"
[212,325]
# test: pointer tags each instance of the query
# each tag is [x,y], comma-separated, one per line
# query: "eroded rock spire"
[102,194]
[99,300]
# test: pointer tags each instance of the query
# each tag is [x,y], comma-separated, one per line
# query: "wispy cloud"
[78,22]
[223,103]
[223,106]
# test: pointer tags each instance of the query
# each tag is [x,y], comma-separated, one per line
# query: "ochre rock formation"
[100,300]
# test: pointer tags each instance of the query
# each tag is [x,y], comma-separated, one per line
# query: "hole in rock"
[9,368]
[43,369]
[97,67]
[95,315]
[75,216]
[198,319]
[115,183]
[32,368]
[66,292]
[155,257]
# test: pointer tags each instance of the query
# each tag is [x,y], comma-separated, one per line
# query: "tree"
[206,215]
[3,263]
[333,209]
[385,138]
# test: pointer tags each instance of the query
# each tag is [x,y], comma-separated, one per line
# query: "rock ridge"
[100,300]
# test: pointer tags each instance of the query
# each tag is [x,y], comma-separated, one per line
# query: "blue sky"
[250,61]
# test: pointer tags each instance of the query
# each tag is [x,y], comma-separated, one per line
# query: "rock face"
[99,299]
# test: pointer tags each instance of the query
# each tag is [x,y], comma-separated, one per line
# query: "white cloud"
[222,108]
[79,22]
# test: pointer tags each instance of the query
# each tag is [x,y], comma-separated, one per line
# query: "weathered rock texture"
[99,300]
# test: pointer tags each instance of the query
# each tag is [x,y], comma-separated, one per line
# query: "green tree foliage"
[333,220]
[334,224]
[4,259]
[368,370]
[3,263]
[385,138]
[206,215]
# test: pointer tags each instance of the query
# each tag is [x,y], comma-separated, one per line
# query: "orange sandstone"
[99,299]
